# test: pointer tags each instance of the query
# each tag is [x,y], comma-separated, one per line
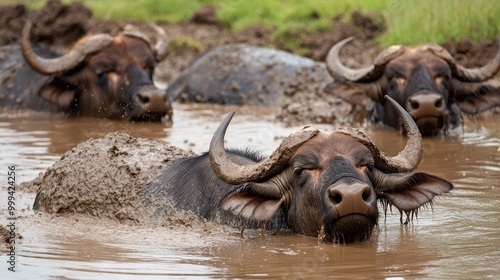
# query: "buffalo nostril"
[439,103]
[336,197]
[143,98]
[351,198]
[366,194]
[414,104]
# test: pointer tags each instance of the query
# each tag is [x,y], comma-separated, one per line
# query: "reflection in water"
[457,238]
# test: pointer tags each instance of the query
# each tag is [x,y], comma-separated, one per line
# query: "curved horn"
[234,173]
[160,48]
[464,74]
[406,160]
[68,61]
[366,74]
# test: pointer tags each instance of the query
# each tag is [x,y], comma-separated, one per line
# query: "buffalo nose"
[152,97]
[426,105]
[351,198]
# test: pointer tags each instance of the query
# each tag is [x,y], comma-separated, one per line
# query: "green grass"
[408,22]
[423,21]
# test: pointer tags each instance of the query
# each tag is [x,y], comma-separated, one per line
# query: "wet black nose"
[351,198]
[152,97]
[425,105]
[151,104]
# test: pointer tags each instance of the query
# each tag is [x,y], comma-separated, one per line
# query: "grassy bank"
[408,22]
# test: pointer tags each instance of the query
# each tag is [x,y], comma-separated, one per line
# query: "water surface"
[458,238]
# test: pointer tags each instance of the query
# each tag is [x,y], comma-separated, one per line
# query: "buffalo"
[101,76]
[426,80]
[320,184]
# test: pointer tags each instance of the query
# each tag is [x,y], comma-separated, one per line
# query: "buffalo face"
[333,190]
[327,183]
[104,76]
[425,80]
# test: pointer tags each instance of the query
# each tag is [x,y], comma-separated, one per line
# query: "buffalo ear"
[354,93]
[474,98]
[58,93]
[253,201]
[409,191]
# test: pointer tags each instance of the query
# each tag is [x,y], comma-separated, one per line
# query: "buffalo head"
[104,76]
[425,80]
[327,183]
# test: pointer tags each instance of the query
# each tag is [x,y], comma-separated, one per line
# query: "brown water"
[458,239]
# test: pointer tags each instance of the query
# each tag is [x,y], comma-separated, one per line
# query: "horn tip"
[27,27]
[393,102]
[346,40]
[231,114]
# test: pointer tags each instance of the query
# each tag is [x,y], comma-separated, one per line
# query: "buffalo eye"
[438,79]
[398,78]
[298,171]
[149,68]
[365,163]
[441,79]
[364,159]
[149,65]
[370,167]
[301,175]
[101,70]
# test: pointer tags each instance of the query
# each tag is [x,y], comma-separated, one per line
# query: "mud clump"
[104,178]
[55,24]
[306,102]
[6,234]
[205,15]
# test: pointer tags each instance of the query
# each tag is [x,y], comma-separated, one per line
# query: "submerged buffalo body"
[425,80]
[323,184]
[101,76]
[244,75]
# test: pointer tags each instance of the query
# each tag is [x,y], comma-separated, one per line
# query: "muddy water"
[457,239]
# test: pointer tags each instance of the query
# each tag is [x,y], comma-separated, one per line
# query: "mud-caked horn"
[405,161]
[464,74]
[234,173]
[66,62]
[161,45]
[367,74]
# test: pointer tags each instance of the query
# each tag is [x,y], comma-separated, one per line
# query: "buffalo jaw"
[348,229]
[350,210]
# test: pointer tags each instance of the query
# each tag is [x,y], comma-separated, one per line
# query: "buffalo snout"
[350,211]
[352,197]
[152,104]
[428,110]
[426,104]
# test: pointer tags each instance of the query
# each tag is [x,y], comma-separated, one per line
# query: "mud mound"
[55,24]
[472,55]
[104,178]
[4,237]
[306,102]
[205,15]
